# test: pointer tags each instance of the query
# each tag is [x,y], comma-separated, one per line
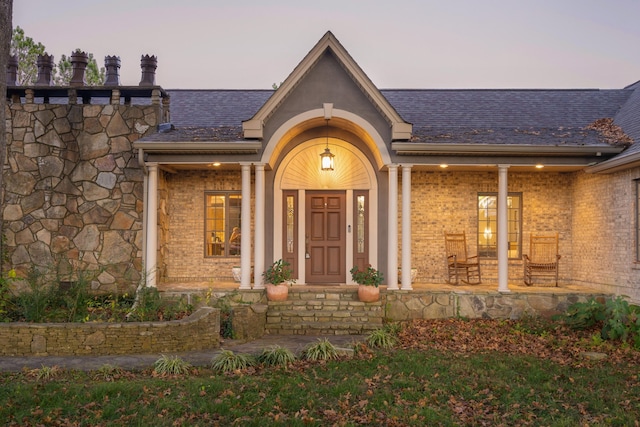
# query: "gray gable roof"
[541,117]
[424,108]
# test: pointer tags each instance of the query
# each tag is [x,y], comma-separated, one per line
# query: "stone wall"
[73,195]
[407,305]
[200,331]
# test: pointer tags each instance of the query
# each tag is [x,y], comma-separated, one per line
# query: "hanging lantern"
[326,158]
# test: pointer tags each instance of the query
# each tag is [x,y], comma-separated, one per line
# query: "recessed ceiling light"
[444,165]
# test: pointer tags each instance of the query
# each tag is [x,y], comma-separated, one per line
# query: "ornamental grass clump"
[381,338]
[321,350]
[276,356]
[228,361]
[171,365]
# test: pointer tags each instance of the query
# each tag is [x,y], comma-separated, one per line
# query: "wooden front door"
[325,237]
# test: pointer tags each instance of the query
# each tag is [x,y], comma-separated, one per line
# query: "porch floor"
[200,286]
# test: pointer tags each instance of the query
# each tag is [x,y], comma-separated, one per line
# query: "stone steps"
[323,312]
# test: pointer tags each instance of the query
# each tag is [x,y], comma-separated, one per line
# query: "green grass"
[390,388]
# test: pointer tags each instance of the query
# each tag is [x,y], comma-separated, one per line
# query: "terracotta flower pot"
[277,292]
[368,293]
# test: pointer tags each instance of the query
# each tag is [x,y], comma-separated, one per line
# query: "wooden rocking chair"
[543,259]
[459,265]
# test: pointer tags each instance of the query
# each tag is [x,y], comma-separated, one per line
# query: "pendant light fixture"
[326,158]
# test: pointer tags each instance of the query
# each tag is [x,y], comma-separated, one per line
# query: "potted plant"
[275,278]
[368,281]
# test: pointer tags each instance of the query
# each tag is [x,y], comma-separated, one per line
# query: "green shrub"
[171,365]
[228,361]
[618,319]
[276,356]
[584,315]
[6,296]
[381,338]
[321,350]
[148,304]
[368,277]
[34,304]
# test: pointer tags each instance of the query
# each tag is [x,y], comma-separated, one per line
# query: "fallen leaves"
[548,340]
[610,132]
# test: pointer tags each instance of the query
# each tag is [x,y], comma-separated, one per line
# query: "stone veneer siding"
[199,331]
[74,189]
[407,305]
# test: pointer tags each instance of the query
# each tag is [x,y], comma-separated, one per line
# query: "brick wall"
[604,236]
[185,249]
[200,331]
[447,201]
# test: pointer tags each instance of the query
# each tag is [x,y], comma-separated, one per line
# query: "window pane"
[360,205]
[222,224]
[290,223]
[513,225]
[488,225]
[235,207]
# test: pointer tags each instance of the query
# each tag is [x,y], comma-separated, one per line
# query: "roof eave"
[210,147]
[616,164]
[425,149]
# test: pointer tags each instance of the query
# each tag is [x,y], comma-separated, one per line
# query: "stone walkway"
[295,343]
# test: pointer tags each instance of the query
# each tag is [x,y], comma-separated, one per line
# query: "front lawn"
[441,372]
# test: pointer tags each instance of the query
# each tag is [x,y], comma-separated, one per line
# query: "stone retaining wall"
[406,305]
[199,331]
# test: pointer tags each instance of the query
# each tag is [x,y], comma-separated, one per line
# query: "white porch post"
[258,257]
[245,237]
[406,228]
[392,231]
[503,241]
[151,257]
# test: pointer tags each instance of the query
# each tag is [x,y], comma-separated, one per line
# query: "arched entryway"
[325,221]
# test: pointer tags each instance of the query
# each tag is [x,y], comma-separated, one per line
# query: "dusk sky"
[251,44]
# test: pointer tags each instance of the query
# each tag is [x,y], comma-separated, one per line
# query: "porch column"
[392,230]
[503,238]
[258,257]
[245,237]
[406,228]
[151,257]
